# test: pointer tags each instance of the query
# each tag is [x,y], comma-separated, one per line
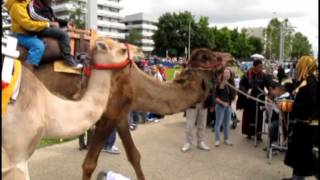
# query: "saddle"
[60,79]
[81,42]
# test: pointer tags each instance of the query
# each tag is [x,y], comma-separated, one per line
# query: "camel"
[132,89]
[37,113]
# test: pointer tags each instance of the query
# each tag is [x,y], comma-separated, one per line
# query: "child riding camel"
[22,24]
[40,10]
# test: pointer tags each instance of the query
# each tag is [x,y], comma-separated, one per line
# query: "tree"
[272,34]
[173,34]
[134,37]
[223,41]
[256,45]
[78,18]
[300,46]
[204,36]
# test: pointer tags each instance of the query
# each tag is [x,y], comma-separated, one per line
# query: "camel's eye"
[123,51]
[101,46]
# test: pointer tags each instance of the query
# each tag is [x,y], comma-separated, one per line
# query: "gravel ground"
[159,145]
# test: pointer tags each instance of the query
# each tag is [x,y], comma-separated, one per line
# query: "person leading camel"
[40,10]
[21,26]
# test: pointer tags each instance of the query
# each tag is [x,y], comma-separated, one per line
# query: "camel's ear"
[101,46]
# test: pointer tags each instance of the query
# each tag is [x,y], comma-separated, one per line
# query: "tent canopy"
[257,56]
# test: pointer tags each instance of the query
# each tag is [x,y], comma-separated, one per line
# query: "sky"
[303,14]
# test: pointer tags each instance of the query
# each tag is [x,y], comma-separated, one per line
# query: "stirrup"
[81,57]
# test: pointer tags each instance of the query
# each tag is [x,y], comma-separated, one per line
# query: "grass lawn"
[49,142]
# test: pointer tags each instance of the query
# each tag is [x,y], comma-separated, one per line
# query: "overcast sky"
[303,14]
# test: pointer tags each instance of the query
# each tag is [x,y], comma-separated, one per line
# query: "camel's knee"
[134,158]
[16,172]
[88,167]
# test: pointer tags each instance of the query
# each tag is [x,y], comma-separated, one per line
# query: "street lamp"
[283,30]
[189,39]
[270,38]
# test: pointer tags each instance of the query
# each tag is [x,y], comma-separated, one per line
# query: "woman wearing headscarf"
[305,119]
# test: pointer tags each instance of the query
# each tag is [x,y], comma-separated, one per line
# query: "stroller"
[234,120]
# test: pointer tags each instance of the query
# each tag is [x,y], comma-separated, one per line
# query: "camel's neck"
[164,98]
[71,118]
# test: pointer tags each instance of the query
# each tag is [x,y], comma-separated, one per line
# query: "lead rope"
[247,95]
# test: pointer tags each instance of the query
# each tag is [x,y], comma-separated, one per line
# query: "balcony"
[110,4]
[147,41]
[109,24]
[63,7]
[147,48]
[112,34]
[110,14]
[147,34]
[142,26]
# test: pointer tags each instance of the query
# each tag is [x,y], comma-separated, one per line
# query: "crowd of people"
[217,112]
[34,20]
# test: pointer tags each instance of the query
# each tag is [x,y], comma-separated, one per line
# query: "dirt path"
[159,145]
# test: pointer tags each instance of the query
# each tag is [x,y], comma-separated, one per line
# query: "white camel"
[37,113]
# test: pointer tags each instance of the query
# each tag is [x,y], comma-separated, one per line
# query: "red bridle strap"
[87,70]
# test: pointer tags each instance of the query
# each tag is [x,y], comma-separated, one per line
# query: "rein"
[88,70]
[247,95]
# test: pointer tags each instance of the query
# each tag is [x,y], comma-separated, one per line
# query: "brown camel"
[37,113]
[132,89]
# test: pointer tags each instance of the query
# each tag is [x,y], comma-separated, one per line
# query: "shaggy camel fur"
[132,89]
[37,113]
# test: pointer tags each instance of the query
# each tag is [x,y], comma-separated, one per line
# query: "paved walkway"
[159,145]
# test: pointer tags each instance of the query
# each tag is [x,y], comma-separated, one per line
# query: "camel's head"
[206,59]
[208,62]
[108,51]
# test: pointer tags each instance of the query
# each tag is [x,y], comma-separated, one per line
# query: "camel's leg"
[12,170]
[102,131]
[132,152]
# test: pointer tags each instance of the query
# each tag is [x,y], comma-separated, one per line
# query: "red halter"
[87,70]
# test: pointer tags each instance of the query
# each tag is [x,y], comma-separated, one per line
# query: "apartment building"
[105,15]
[146,24]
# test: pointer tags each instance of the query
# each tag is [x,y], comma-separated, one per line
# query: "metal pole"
[256,121]
[270,42]
[281,44]
[189,39]
[91,14]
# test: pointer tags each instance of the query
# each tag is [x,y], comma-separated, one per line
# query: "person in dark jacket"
[253,83]
[224,97]
[281,74]
[305,119]
[40,10]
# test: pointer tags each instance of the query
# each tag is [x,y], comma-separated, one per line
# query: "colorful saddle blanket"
[10,89]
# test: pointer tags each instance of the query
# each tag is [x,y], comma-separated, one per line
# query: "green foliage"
[256,45]
[223,41]
[300,46]
[78,18]
[134,37]
[49,142]
[173,31]
[292,46]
